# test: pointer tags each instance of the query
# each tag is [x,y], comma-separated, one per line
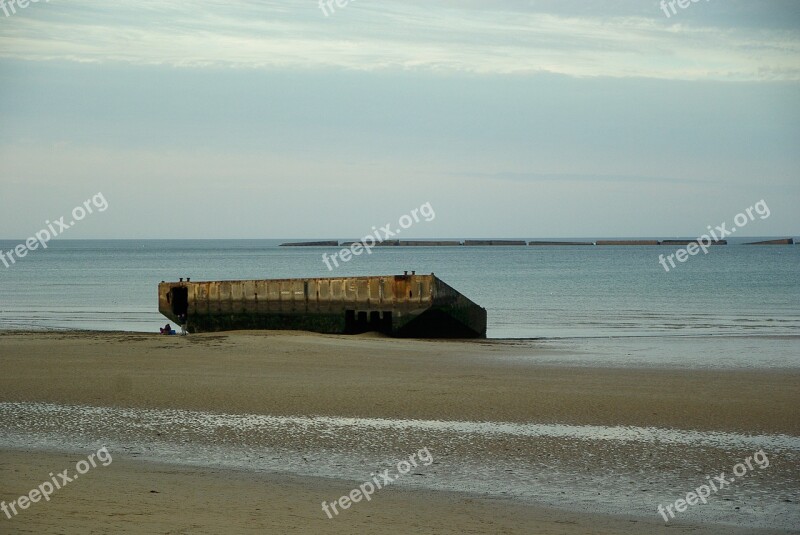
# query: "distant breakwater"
[514,243]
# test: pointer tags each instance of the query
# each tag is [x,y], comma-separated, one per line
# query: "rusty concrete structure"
[687,242]
[416,306]
[558,243]
[626,242]
[474,243]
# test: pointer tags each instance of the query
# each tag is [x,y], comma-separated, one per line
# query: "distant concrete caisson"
[415,306]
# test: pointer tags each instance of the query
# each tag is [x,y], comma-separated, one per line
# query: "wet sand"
[135,497]
[296,373]
[306,375]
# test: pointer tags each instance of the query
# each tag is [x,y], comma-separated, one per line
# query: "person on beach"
[167,329]
[183,321]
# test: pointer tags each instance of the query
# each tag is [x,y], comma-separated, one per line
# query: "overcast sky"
[269,119]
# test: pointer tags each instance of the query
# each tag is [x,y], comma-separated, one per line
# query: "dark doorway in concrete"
[362,322]
[179,300]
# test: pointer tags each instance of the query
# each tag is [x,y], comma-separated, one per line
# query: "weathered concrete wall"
[687,242]
[627,242]
[428,243]
[318,304]
[542,243]
[494,242]
[419,243]
[326,243]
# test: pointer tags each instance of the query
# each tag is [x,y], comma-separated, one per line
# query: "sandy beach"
[251,431]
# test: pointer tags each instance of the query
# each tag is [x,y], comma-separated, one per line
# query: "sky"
[288,119]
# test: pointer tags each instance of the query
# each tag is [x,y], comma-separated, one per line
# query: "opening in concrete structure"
[355,322]
[363,321]
[180,300]
[386,322]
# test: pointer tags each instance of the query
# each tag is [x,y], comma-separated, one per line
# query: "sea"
[604,301]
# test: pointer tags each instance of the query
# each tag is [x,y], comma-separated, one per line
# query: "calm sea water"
[529,292]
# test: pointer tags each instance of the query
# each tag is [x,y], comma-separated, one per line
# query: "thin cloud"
[492,38]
